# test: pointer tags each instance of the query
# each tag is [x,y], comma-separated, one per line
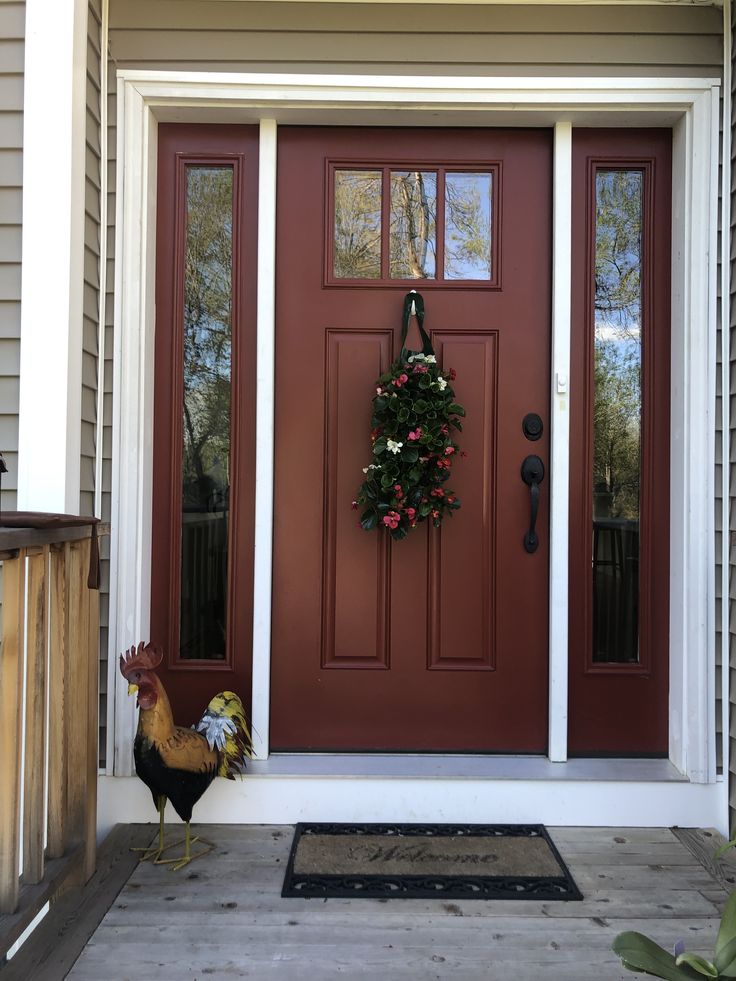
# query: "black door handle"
[532,473]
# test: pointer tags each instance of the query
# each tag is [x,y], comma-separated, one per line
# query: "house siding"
[400,39]
[732,457]
[12,52]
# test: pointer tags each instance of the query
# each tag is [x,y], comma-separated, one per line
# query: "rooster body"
[175,763]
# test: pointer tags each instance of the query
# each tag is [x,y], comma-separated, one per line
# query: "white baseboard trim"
[272,798]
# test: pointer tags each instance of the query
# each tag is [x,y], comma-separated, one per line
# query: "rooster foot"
[156,851]
[187,857]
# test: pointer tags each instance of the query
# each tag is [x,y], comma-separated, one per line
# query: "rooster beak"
[132,689]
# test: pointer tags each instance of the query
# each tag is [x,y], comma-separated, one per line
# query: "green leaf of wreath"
[456,409]
[410,454]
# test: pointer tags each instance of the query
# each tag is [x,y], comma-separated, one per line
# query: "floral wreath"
[414,413]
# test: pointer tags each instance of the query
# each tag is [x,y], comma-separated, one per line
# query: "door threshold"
[463,767]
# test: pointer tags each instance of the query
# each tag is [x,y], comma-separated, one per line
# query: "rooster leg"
[187,857]
[155,851]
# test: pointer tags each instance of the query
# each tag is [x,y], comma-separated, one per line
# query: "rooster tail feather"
[225,727]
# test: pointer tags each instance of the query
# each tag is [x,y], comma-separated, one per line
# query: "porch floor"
[224,916]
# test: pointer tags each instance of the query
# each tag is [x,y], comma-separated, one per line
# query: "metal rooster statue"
[179,764]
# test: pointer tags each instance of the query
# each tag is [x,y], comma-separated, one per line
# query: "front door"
[438,642]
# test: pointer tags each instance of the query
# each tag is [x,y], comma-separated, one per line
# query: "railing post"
[58,705]
[92,646]
[35,734]
[11,690]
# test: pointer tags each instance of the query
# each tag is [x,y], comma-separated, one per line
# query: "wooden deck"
[223,917]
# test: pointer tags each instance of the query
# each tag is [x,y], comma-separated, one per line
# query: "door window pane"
[468,202]
[617,411]
[413,248]
[206,412]
[357,231]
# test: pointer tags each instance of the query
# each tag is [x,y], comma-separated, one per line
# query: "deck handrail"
[48,713]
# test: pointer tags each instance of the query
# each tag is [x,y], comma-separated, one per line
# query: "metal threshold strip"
[458,767]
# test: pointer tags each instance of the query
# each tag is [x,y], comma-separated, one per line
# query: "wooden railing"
[48,719]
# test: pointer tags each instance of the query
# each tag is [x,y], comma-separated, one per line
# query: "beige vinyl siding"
[12,32]
[400,39]
[732,457]
[91,295]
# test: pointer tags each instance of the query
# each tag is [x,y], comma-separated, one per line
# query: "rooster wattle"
[176,763]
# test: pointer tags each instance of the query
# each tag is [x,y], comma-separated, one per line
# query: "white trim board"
[262,799]
[146,97]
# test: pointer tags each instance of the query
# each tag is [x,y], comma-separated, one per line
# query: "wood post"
[58,706]
[35,727]
[11,689]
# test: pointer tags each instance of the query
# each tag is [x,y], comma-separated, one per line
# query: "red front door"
[438,642]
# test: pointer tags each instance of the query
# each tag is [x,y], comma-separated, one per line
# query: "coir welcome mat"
[420,861]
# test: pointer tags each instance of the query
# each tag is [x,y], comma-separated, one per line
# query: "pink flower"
[379,391]
[399,491]
[451,499]
[354,505]
[445,429]
[435,514]
[449,450]
[452,374]
[401,380]
[410,513]
[415,434]
[438,492]
[391,520]
[420,369]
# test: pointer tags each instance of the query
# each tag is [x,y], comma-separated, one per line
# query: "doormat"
[427,861]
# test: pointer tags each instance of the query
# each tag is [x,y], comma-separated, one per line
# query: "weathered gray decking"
[224,917]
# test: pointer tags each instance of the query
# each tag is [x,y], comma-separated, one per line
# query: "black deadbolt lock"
[532,426]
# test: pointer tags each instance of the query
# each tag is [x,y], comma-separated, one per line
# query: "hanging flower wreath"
[414,414]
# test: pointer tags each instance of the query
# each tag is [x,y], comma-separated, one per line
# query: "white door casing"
[690,106]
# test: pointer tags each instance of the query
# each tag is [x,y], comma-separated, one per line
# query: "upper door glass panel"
[399,224]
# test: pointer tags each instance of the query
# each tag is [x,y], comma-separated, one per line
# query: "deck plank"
[224,917]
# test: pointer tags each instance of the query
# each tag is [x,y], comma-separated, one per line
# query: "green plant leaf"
[410,454]
[456,409]
[724,848]
[379,446]
[639,953]
[369,520]
[727,929]
[725,959]
[698,963]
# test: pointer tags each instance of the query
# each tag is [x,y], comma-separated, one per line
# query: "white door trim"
[690,105]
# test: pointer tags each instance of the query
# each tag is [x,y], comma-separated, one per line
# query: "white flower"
[417,357]
[430,359]
[378,391]
[392,446]
[442,383]
[371,466]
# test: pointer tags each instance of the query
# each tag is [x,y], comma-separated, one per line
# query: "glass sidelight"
[206,456]
[617,414]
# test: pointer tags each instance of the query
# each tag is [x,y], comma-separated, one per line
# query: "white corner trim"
[693,420]
[50,399]
[266,360]
[132,476]
[559,464]
[143,95]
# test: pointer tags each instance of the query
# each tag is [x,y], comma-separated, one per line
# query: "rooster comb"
[146,657]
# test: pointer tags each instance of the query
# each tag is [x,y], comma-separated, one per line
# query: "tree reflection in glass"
[617,415]
[413,235]
[468,200]
[206,411]
[357,233]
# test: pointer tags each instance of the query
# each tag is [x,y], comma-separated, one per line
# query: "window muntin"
[393,224]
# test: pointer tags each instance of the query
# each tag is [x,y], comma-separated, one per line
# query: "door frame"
[690,106]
